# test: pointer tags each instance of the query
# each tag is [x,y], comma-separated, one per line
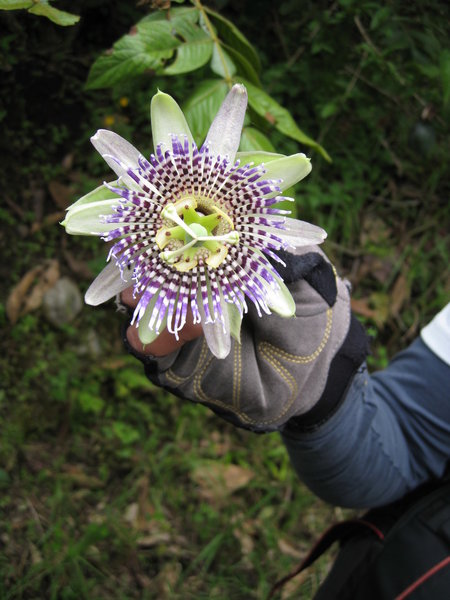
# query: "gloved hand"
[285,372]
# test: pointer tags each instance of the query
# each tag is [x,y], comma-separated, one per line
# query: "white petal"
[100,193]
[219,342]
[85,219]
[224,134]
[257,157]
[107,285]
[301,233]
[290,169]
[147,335]
[167,119]
[112,146]
[218,339]
[235,320]
[280,300]
[298,233]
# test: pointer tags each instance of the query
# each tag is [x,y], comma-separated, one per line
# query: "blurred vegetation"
[114,489]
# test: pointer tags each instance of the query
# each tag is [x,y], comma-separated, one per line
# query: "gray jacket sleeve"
[390,434]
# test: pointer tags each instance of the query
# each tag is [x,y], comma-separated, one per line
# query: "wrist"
[343,367]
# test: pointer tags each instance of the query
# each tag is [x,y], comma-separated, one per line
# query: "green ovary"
[181,244]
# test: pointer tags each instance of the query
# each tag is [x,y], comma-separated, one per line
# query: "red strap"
[423,578]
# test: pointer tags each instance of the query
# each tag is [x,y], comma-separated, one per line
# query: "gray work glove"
[285,372]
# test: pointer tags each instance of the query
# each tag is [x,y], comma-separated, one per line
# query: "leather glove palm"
[284,371]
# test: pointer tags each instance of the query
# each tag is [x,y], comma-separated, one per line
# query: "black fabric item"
[413,560]
[398,551]
[313,268]
[343,367]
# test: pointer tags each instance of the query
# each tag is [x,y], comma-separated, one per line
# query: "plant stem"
[215,39]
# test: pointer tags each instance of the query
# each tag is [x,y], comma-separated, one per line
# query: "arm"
[291,376]
[390,434]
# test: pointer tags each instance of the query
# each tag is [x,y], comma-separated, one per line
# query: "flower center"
[189,235]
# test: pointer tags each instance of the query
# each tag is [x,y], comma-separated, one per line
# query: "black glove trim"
[342,370]
[313,268]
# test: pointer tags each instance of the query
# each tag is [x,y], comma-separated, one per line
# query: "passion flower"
[194,227]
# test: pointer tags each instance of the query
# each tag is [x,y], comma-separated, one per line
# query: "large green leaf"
[178,12]
[41,8]
[253,139]
[202,106]
[279,117]
[194,52]
[221,63]
[60,17]
[231,35]
[131,56]
[15,4]
[244,68]
[156,41]
[444,64]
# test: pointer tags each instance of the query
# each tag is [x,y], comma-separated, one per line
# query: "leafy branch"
[184,39]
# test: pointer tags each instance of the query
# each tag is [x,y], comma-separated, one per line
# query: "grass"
[107,492]
[111,488]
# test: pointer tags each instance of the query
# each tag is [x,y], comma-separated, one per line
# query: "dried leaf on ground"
[374,230]
[76,475]
[217,480]
[61,194]
[77,266]
[28,294]
[245,531]
[373,266]
[293,588]
[374,307]
[50,219]
[286,548]
[400,293]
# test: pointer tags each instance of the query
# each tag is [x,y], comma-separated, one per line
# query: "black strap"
[336,533]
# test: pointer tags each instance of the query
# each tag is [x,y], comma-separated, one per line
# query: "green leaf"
[444,64]
[235,321]
[329,109]
[96,195]
[125,432]
[155,41]
[132,55]
[15,4]
[253,139]
[221,63]
[60,17]
[202,106]
[279,117]
[194,52]
[231,35]
[174,13]
[90,403]
[194,46]
[244,68]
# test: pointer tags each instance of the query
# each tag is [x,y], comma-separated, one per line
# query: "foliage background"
[110,487]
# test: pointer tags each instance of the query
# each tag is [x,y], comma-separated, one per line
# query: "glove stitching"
[269,353]
[290,381]
[237,375]
[266,347]
[177,379]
